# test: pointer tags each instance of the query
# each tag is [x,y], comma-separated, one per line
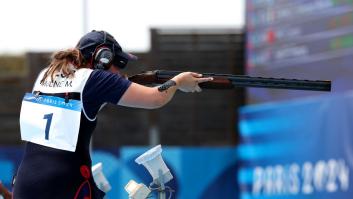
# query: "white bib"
[49,120]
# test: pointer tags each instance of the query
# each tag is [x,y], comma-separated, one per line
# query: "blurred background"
[243,143]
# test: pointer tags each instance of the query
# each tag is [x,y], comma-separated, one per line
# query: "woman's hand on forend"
[189,81]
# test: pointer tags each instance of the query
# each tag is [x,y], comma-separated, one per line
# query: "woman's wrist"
[177,81]
[166,85]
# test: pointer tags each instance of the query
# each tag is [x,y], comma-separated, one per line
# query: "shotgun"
[227,81]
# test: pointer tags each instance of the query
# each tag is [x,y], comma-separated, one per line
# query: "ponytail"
[61,61]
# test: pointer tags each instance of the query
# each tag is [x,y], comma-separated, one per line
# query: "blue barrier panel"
[199,172]
[10,158]
[297,149]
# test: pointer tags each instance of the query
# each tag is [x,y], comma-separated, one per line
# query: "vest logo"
[60,80]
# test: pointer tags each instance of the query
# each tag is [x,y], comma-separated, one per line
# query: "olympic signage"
[293,179]
[297,149]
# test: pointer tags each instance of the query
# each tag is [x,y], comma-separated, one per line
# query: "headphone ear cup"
[103,59]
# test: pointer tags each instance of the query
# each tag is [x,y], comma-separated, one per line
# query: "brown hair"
[61,61]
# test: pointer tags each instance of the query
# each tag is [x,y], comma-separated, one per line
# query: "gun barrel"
[226,81]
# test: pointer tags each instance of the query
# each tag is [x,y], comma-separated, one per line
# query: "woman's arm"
[140,96]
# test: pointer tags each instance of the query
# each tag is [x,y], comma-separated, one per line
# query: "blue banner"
[297,149]
[58,102]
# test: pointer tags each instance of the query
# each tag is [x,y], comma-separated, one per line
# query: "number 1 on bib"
[47,117]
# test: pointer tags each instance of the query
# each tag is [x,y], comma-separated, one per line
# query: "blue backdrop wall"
[297,149]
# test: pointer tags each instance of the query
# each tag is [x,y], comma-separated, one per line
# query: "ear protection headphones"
[103,58]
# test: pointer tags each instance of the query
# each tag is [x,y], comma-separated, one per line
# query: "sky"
[49,25]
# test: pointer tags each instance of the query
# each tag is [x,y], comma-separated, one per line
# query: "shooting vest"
[49,116]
